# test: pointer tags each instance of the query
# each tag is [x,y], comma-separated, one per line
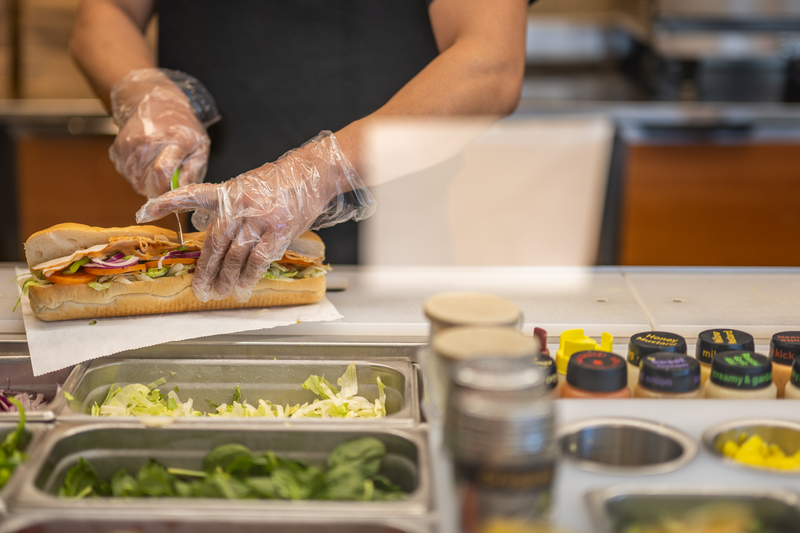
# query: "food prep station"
[658,445]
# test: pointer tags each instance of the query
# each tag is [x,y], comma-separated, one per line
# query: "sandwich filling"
[130,259]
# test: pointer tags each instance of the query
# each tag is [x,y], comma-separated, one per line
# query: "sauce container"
[668,376]
[713,341]
[456,344]
[792,391]
[547,367]
[740,375]
[596,374]
[573,341]
[500,434]
[783,348]
[647,343]
[452,309]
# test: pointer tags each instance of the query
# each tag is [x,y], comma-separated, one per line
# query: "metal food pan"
[111,447]
[784,433]
[279,381]
[331,347]
[615,509]
[60,523]
[16,374]
[32,436]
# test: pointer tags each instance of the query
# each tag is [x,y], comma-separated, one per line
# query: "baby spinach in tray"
[233,471]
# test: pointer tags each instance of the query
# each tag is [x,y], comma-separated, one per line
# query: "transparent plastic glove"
[256,215]
[162,117]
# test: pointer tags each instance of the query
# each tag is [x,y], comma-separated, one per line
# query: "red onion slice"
[99,263]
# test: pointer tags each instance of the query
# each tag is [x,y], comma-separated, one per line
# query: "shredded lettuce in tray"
[330,402]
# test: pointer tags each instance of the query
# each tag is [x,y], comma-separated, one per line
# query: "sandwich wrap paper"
[57,345]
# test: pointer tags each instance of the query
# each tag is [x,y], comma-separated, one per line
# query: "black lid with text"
[713,341]
[670,372]
[597,371]
[650,342]
[741,369]
[784,347]
[546,364]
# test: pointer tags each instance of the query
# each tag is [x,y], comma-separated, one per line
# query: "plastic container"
[453,309]
[740,375]
[668,376]
[792,391]
[783,348]
[647,343]
[573,341]
[596,374]
[548,368]
[457,344]
[714,341]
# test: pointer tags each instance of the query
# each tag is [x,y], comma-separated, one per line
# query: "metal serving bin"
[16,374]
[111,447]
[615,509]
[279,381]
[59,523]
[32,436]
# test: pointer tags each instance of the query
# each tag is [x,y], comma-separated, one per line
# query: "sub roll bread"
[80,271]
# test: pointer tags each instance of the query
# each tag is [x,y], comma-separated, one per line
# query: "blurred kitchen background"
[658,132]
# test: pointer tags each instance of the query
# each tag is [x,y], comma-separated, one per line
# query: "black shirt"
[283,70]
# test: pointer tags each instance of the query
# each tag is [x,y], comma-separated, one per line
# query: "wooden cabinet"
[736,205]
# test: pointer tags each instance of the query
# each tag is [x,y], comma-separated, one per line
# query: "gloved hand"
[256,215]
[160,114]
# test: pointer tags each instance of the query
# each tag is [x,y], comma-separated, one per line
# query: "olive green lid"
[472,343]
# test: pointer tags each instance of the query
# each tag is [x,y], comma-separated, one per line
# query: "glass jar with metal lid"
[500,433]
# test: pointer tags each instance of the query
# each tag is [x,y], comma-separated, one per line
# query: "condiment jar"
[668,376]
[647,343]
[740,375]
[713,341]
[573,341]
[792,391]
[456,344]
[453,309]
[783,348]
[548,369]
[500,434]
[596,374]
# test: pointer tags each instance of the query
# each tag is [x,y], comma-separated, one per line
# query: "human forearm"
[478,73]
[108,42]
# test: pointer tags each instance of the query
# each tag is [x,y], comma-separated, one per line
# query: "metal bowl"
[781,432]
[625,446]
[617,508]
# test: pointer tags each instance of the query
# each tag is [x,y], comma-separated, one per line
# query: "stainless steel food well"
[279,381]
[33,434]
[615,509]
[781,432]
[16,374]
[111,447]
[625,446]
[102,523]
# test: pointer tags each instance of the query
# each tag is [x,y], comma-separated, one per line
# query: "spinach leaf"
[82,480]
[365,454]
[228,456]
[154,480]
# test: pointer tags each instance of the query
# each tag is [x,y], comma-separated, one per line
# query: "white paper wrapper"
[56,345]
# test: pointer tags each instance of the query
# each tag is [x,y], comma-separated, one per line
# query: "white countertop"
[387,301]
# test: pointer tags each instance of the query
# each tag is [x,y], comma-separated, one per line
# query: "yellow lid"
[574,341]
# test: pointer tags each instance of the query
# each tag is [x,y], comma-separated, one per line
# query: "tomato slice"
[171,261]
[78,278]
[111,271]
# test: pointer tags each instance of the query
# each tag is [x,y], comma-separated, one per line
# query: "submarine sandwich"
[79,271]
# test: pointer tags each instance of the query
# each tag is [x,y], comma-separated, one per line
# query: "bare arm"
[108,41]
[479,70]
